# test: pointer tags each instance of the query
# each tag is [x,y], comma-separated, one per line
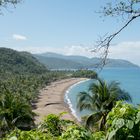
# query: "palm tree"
[100,99]
[15,111]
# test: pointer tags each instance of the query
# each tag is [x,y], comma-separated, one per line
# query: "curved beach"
[51,99]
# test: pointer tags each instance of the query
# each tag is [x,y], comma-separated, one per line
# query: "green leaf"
[129,124]
[111,134]
[13,138]
[119,123]
[138,118]
[130,137]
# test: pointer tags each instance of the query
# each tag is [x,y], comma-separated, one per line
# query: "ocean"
[129,79]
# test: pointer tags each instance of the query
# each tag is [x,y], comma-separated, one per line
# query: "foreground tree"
[15,111]
[129,10]
[100,99]
[123,122]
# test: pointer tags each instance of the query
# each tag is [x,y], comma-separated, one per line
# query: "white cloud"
[19,37]
[77,50]
[126,50]
[67,50]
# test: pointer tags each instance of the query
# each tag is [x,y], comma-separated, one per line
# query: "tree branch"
[104,43]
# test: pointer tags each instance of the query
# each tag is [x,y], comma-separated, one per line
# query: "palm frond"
[85,101]
[93,119]
[123,95]
[101,98]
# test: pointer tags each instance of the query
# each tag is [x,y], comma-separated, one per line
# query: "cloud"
[19,37]
[67,50]
[126,50]
[78,50]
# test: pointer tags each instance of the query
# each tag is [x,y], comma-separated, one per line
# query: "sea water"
[129,79]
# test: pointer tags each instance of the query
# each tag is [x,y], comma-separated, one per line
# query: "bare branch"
[103,43]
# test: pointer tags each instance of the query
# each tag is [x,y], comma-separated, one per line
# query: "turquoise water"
[129,80]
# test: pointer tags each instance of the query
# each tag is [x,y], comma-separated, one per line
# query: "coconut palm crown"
[100,98]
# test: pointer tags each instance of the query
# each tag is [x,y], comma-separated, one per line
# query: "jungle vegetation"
[122,122]
[21,78]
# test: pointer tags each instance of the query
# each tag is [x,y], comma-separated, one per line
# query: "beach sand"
[51,99]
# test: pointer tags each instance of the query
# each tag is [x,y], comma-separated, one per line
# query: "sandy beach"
[51,99]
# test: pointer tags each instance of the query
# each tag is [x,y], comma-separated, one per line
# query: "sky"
[69,27]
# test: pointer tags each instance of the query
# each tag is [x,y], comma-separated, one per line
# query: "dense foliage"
[123,122]
[28,135]
[12,61]
[52,128]
[21,77]
[17,96]
[76,132]
[85,74]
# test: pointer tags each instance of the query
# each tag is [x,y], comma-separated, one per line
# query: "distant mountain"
[73,58]
[58,61]
[12,61]
[120,63]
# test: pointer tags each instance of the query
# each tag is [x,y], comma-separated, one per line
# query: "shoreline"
[51,99]
[68,101]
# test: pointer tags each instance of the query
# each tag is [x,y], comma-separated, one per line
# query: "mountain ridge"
[79,62]
[12,61]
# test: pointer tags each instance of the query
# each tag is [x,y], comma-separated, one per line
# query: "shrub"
[76,133]
[28,135]
[123,122]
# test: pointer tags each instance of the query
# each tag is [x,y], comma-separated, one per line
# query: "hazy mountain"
[58,61]
[73,58]
[19,62]
[120,63]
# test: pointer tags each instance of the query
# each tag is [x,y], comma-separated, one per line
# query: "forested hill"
[58,61]
[12,61]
